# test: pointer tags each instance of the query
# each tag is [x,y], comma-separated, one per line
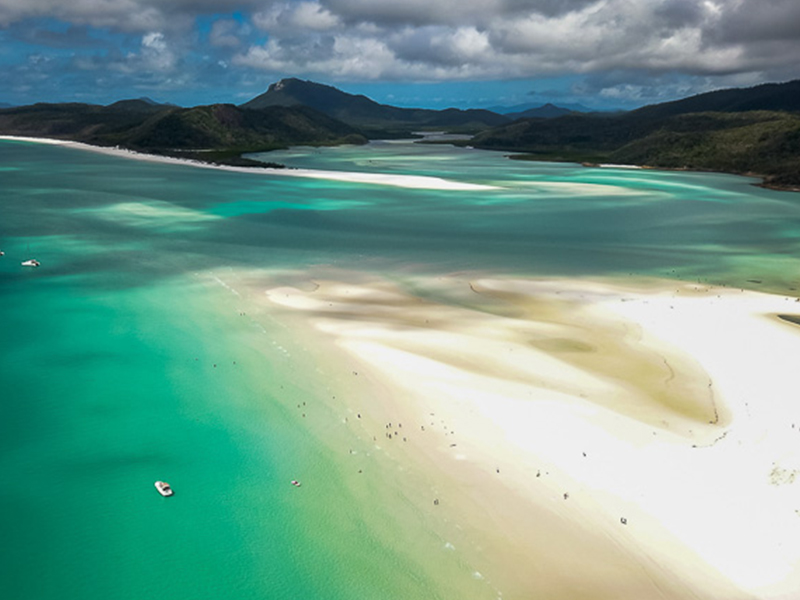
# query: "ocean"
[141,349]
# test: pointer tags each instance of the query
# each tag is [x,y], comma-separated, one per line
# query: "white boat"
[31,263]
[163,488]
[295,483]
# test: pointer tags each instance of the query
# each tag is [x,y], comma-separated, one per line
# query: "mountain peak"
[292,91]
[281,85]
[361,111]
[139,105]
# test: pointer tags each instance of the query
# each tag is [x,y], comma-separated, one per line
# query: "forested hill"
[215,133]
[744,131]
[782,97]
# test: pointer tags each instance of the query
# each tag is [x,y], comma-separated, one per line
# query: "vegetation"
[745,131]
[754,131]
[762,143]
[218,133]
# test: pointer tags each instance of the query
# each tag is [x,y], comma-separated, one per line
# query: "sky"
[602,54]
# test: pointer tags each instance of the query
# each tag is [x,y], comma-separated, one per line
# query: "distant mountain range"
[754,130]
[360,110]
[546,111]
[143,104]
[539,110]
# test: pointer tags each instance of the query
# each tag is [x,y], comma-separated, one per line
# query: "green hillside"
[218,133]
[749,137]
[783,97]
[763,143]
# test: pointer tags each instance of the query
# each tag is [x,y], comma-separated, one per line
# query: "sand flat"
[419,182]
[665,404]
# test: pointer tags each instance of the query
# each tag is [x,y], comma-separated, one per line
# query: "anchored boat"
[163,488]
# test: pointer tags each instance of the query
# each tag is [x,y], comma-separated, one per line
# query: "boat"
[31,263]
[295,483]
[163,488]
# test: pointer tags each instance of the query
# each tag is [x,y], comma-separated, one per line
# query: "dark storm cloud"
[77,36]
[128,15]
[758,20]
[674,14]
[447,12]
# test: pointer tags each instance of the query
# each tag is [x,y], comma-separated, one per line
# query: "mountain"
[521,108]
[5,105]
[139,105]
[746,131]
[768,96]
[227,126]
[74,121]
[360,111]
[546,111]
[216,133]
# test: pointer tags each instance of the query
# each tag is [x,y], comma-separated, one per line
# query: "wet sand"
[593,439]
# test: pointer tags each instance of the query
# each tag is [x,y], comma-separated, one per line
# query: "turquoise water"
[124,362]
[556,218]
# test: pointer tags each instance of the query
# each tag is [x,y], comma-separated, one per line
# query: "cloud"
[155,57]
[312,16]
[420,13]
[127,15]
[753,21]
[77,36]
[156,53]
[462,39]
[338,56]
[296,17]
[458,39]
[706,41]
[123,15]
[226,33]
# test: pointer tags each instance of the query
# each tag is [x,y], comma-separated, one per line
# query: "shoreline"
[764,183]
[403,181]
[497,413]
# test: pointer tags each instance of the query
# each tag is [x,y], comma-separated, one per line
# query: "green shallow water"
[124,362]
[106,390]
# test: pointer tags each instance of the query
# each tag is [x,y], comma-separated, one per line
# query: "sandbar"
[606,438]
[393,180]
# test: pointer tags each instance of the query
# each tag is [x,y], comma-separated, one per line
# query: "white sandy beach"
[403,181]
[557,409]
